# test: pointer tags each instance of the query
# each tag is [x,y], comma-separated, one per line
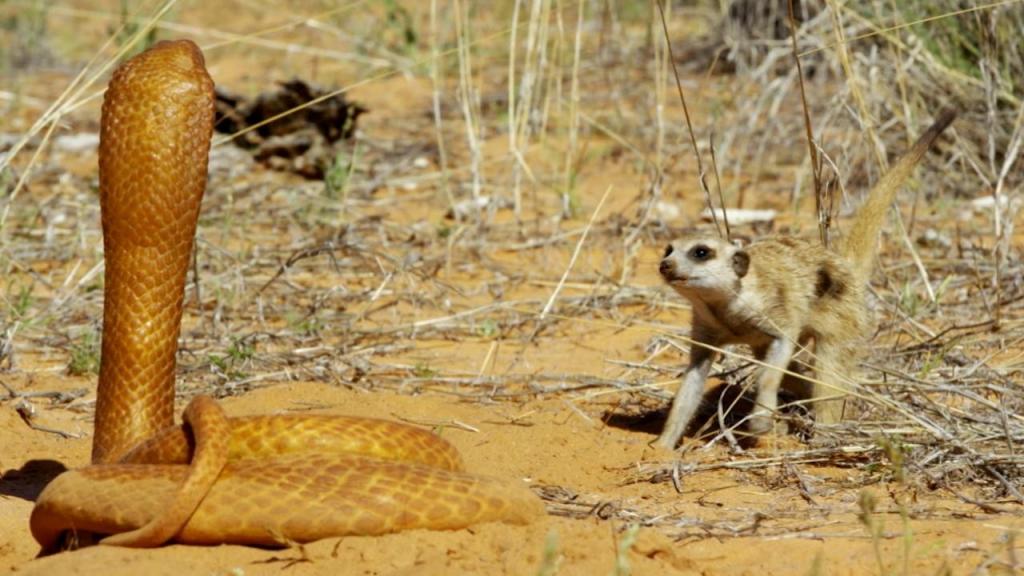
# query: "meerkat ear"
[740,263]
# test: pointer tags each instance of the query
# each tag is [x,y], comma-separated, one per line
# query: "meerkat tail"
[861,243]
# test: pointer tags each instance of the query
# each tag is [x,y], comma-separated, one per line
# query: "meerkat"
[777,295]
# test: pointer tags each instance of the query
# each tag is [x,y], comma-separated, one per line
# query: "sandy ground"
[547,443]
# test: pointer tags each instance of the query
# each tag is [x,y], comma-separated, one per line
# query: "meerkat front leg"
[687,399]
[776,358]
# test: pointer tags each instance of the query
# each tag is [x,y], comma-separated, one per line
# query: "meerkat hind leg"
[830,368]
[688,398]
[776,357]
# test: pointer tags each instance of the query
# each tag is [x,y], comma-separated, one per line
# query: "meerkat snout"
[666,267]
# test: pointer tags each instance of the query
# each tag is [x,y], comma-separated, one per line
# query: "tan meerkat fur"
[776,296]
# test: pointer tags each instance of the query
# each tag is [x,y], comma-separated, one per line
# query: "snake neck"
[135,396]
[155,132]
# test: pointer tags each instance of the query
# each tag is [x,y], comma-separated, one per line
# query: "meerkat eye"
[701,253]
[668,251]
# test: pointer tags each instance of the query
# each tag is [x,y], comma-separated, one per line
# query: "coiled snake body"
[264,480]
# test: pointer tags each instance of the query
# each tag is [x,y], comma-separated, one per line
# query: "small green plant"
[129,28]
[423,370]
[21,302]
[570,197]
[936,357]
[312,326]
[231,362]
[895,452]
[6,181]
[943,287]
[94,286]
[551,559]
[338,175]
[241,351]
[868,503]
[487,329]
[626,541]
[398,22]
[225,367]
[219,362]
[932,361]
[85,355]
[910,302]
[308,325]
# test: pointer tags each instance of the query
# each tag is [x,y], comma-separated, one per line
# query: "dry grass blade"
[575,254]
[701,175]
[820,203]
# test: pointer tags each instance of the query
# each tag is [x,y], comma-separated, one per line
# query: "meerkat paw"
[667,442]
[658,450]
[760,422]
[828,412]
[763,422]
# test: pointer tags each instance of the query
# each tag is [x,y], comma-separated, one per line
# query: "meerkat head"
[704,267]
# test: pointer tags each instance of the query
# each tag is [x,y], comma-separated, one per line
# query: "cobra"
[260,480]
